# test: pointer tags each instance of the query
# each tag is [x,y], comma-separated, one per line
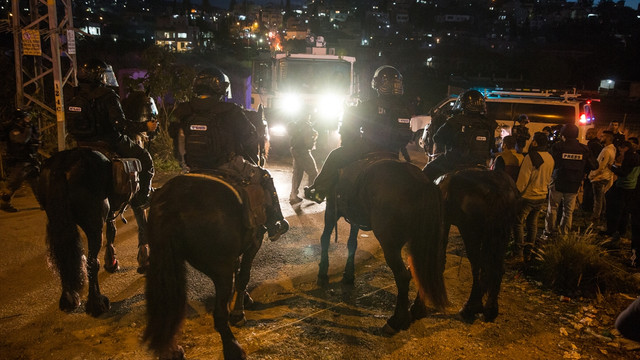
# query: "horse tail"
[427,248]
[63,237]
[166,278]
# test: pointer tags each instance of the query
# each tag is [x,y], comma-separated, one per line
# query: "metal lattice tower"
[40,78]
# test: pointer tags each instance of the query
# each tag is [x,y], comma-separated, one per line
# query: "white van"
[542,107]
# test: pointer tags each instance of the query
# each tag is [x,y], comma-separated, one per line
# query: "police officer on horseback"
[98,119]
[214,135]
[468,137]
[380,125]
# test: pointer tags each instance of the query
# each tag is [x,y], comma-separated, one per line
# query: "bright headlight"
[330,106]
[278,130]
[290,103]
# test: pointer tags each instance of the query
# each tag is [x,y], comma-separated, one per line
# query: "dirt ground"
[292,318]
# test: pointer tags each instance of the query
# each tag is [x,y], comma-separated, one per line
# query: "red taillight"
[583,119]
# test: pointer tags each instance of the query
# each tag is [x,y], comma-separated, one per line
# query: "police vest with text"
[207,142]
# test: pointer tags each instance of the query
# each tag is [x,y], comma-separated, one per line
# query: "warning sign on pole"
[71,42]
[31,42]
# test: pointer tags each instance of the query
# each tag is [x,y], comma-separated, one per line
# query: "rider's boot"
[276,223]
[314,194]
[142,199]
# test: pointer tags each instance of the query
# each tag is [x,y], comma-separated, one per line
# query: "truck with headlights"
[316,85]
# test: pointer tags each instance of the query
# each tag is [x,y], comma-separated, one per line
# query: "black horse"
[76,189]
[401,206]
[198,219]
[483,206]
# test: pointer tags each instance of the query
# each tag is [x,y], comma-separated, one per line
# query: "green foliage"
[580,265]
[161,149]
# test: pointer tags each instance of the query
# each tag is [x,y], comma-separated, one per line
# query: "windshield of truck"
[314,76]
[539,113]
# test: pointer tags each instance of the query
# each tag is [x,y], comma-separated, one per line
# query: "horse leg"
[400,320]
[224,286]
[111,263]
[492,273]
[242,280]
[143,247]
[97,303]
[473,305]
[348,277]
[330,222]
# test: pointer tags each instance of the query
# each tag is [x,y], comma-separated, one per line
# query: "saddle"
[250,194]
[350,179]
[126,181]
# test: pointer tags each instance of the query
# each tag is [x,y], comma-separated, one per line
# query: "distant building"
[175,34]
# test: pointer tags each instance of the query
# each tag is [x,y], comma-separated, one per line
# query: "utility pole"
[39,76]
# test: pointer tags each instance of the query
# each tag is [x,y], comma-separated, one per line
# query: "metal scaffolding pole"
[41,43]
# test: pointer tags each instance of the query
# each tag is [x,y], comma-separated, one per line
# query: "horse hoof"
[490,314]
[468,314]
[418,312]
[388,330]
[98,307]
[233,350]
[112,266]
[323,280]
[143,259]
[69,301]
[237,319]
[177,354]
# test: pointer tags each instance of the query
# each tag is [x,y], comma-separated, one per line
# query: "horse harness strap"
[250,195]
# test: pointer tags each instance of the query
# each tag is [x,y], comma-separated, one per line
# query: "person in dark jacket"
[521,132]
[216,135]
[468,137]
[22,148]
[595,146]
[620,198]
[96,82]
[303,140]
[571,159]
[377,125]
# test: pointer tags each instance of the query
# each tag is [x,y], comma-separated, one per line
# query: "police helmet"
[387,80]
[212,81]
[95,71]
[523,119]
[472,101]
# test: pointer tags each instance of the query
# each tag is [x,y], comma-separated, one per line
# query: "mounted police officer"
[380,125]
[100,120]
[22,148]
[216,135]
[468,137]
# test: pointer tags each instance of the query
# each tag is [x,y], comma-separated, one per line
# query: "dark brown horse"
[483,206]
[76,190]
[197,219]
[401,206]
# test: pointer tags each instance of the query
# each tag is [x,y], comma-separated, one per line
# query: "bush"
[161,149]
[580,265]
